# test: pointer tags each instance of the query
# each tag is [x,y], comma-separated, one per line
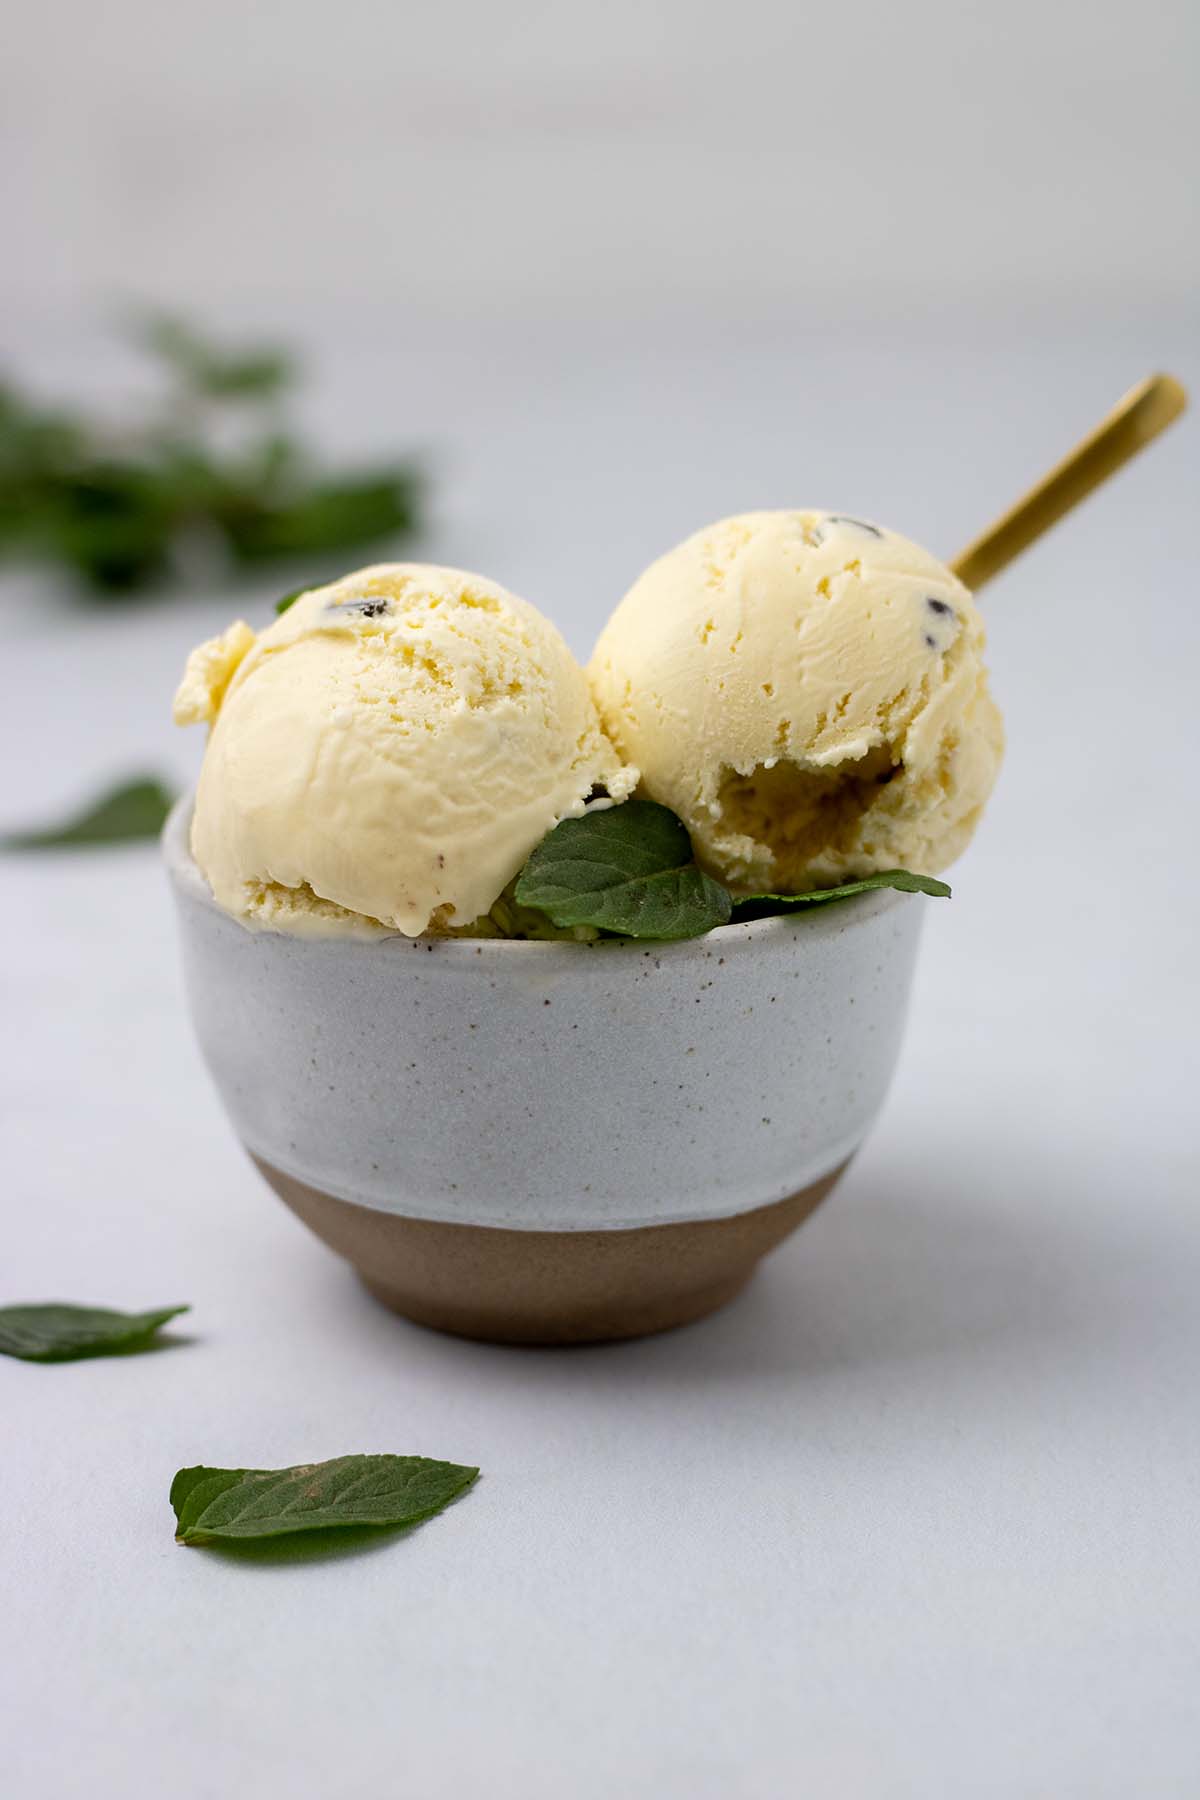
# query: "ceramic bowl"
[543,1142]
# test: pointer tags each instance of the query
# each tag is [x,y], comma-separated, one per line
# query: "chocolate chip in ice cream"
[366,609]
[941,622]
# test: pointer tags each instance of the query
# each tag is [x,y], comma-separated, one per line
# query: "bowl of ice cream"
[550,1142]
[535,1122]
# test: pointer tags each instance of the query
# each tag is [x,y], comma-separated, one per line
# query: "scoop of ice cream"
[807,691]
[388,752]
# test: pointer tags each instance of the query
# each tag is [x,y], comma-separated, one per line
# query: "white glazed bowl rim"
[835,919]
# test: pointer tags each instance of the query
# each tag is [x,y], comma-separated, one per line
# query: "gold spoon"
[1132,424]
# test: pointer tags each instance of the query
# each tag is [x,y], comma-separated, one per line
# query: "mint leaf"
[58,1332]
[281,606]
[327,515]
[192,1489]
[628,869]
[258,373]
[116,505]
[215,1505]
[764,906]
[126,814]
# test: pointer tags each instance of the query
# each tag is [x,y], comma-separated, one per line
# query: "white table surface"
[918,1514]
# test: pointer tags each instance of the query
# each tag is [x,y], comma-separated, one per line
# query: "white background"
[918,1514]
[477,158]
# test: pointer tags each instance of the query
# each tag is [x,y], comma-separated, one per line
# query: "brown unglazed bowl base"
[548,1287]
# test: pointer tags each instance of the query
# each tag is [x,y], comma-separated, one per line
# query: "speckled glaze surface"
[552,1087]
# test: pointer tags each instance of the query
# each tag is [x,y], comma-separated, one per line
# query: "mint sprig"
[210,459]
[128,813]
[58,1332]
[232,1505]
[630,870]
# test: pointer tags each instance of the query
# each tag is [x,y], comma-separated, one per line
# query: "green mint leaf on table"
[226,1505]
[58,1332]
[764,906]
[130,813]
[627,869]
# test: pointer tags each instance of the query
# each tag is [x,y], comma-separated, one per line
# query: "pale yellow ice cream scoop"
[388,752]
[807,691]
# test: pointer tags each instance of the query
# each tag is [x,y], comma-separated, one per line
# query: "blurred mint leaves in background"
[213,466]
[128,814]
